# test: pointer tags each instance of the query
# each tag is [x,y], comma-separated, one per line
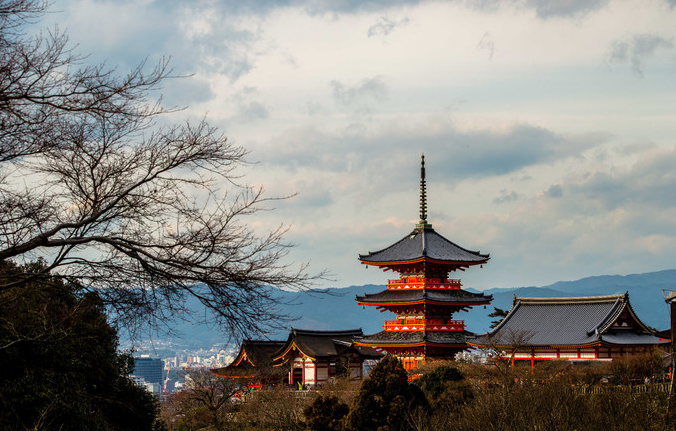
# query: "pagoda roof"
[424,243]
[458,296]
[321,344]
[575,321]
[255,356]
[405,338]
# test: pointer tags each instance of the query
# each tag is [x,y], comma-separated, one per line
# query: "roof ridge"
[415,231]
[569,299]
[263,341]
[329,332]
[610,317]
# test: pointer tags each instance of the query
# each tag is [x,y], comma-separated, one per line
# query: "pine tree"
[384,399]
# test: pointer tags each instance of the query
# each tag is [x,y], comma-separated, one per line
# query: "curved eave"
[385,345]
[606,326]
[534,346]
[242,356]
[467,263]
[596,343]
[288,349]
[658,343]
[424,301]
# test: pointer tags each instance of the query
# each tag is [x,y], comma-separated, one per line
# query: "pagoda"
[423,297]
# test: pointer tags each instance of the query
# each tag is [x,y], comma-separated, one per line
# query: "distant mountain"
[337,308]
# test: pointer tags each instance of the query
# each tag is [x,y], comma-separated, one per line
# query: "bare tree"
[118,204]
[206,402]
[505,346]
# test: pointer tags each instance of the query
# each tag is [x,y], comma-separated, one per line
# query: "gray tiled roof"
[403,296]
[322,344]
[424,242]
[406,337]
[259,352]
[567,321]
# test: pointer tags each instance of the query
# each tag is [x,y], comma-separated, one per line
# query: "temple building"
[582,328]
[253,364]
[422,297]
[310,358]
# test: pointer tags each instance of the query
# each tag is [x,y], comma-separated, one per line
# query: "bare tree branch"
[120,205]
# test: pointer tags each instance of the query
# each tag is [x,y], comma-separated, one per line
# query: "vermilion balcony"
[424,325]
[421,282]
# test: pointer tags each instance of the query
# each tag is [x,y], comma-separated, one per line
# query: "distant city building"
[150,370]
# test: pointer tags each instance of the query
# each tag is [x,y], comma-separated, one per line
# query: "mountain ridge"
[337,309]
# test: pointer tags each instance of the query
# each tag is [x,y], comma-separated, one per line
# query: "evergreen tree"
[500,313]
[60,366]
[445,388]
[325,414]
[384,399]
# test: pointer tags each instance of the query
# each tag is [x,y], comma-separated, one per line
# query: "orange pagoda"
[423,297]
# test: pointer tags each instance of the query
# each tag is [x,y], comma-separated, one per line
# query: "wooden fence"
[649,388]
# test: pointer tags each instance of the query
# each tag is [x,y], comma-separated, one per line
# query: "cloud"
[555,191]
[385,26]
[649,182]
[198,36]
[485,153]
[543,8]
[506,197]
[565,8]
[486,43]
[451,153]
[252,111]
[186,91]
[636,49]
[373,88]
[339,6]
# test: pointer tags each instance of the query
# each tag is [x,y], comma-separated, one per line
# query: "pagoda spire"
[423,196]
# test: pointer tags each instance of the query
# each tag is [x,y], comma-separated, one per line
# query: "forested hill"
[338,309]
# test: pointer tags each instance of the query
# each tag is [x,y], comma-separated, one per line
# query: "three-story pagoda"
[423,297]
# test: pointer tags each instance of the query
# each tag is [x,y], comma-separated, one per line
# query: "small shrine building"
[311,357]
[579,328]
[253,364]
[422,297]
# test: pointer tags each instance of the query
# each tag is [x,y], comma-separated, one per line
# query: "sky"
[548,128]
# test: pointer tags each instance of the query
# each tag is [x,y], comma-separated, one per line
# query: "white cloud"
[556,165]
[369,88]
[384,26]
[637,48]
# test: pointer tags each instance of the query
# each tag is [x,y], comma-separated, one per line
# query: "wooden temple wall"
[311,373]
[322,371]
[578,353]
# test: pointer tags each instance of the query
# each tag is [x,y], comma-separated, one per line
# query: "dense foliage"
[384,399]
[456,396]
[325,414]
[60,366]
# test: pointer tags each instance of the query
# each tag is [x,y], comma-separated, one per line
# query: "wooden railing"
[426,283]
[424,325]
